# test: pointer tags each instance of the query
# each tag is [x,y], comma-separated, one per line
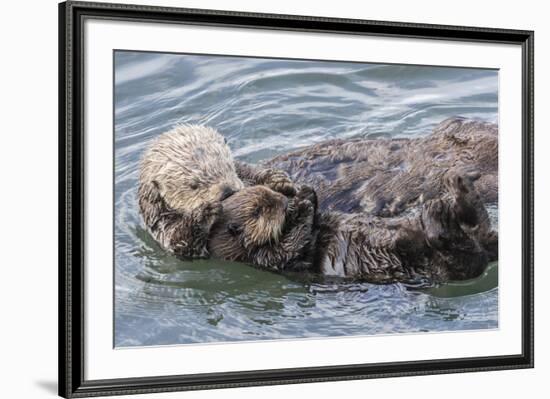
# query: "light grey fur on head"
[190,164]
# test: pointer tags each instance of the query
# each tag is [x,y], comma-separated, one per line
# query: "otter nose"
[226,193]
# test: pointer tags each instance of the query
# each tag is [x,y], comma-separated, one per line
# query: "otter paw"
[209,214]
[305,209]
[307,193]
[279,181]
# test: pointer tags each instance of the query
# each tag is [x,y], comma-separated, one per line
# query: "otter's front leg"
[203,219]
[181,233]
[296,241]
[275,179]
[289,252]
[186,235]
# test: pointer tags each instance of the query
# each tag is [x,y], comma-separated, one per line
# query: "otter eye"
[194,185]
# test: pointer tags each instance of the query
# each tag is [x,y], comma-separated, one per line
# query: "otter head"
[255,216]
[190,165]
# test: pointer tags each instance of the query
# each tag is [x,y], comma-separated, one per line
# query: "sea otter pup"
[389,177]
[450,238]
[184,175]
[265,228]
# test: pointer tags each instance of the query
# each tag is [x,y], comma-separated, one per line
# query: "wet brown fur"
[262,227]
[449,239]
[387,177]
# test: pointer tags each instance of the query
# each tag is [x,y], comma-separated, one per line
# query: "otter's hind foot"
[469,210]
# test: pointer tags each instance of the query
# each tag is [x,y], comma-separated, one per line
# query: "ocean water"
[266,107]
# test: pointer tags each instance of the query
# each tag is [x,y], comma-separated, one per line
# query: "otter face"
[190,166]
[190,192]
[255,215]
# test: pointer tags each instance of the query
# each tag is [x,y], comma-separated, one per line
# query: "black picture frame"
[71,199]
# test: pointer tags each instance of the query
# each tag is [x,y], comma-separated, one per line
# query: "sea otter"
[184,174]
[265,228]
[389,177]
[449,239]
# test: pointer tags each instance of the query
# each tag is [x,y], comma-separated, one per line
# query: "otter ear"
[234,229]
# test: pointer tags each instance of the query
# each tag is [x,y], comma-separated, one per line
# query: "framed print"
[251,199]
